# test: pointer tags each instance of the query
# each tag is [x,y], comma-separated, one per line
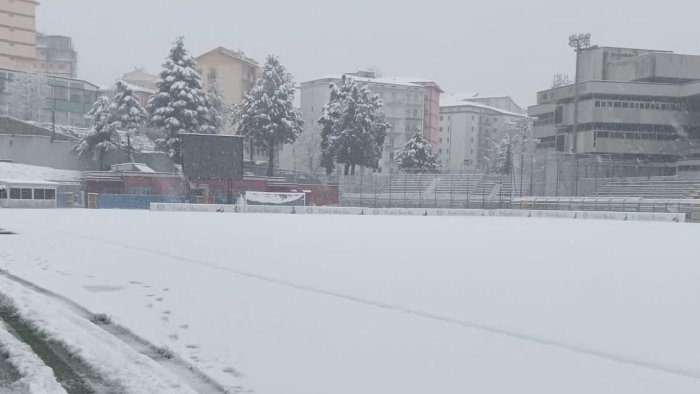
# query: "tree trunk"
[352,169]
[129,148]
[347,169]
[271,158]
[251,147]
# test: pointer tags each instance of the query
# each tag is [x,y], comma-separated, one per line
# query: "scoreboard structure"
[212,156]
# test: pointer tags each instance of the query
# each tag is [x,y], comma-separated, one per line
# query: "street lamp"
[580,43]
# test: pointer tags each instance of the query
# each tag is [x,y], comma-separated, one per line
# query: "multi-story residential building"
[633,105]
[55,56]
[68,100]
[231,71]
[18,34]
[408,106]
[469,129]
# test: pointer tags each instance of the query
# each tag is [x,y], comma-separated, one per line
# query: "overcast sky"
[496,47]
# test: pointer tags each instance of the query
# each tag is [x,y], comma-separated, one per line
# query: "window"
[50,194]
[14,194]
[39,194]
[440,139]
[441,117]
[441,129]
[415,113]
[26,194]
[597,103]
[212,74]
[440,151]
[3,194]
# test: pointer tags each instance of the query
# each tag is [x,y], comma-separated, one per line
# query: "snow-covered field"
[292,304]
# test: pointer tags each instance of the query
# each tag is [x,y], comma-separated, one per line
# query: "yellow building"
[18,34]
[232,72]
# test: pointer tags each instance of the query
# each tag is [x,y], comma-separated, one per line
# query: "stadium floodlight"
[580,42]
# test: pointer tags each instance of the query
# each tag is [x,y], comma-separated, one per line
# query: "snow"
[274,198]
[299,304]
[36,377]
[37,173]
[462,100]
[130,371]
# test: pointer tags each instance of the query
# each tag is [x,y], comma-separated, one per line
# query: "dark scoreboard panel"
[212,156]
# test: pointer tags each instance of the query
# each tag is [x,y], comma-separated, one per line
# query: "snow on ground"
[300,304]
[123,367]
[37,173]
[36,377]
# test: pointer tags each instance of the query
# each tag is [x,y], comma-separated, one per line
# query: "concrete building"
[634,105]
[67,102]
[231,71]
[408,107]
[469,128]
[55,56]
[18,34]
[140,77]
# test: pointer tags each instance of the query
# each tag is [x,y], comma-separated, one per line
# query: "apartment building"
[408,106]
[18,34]
[231,71]
[469,128]
[56,56]
[633,104]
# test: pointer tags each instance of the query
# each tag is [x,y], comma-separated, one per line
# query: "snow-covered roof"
[382,81]
[37,173]
[27,182]
[460,101]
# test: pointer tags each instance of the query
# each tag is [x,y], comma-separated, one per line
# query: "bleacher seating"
[458,183]
[667,187]
[411,183]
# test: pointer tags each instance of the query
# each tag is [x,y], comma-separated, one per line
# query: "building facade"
[633,105]
[231,71]
[468,131]
[409,107]
[67,100]
[55,56]
[18,34]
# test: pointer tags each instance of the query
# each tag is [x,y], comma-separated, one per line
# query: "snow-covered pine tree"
[267,114]
[102,137]
[219,112]
[353,128]
[416,157]
[25,96]
[127,115]
[180,103]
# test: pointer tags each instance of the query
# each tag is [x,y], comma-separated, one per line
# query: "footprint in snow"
[149,305]
[184,326]
[166,312]
[159,299]
[232,371]
[192,347]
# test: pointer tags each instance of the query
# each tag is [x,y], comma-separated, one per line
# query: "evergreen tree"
[219,113]
[180,103]
[127,115]
[416,157]
[102,137]
[353,128]
[267,115]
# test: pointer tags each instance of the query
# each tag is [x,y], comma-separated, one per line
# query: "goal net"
[267,198]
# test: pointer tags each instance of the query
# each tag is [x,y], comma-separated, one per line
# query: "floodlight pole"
[580,43]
